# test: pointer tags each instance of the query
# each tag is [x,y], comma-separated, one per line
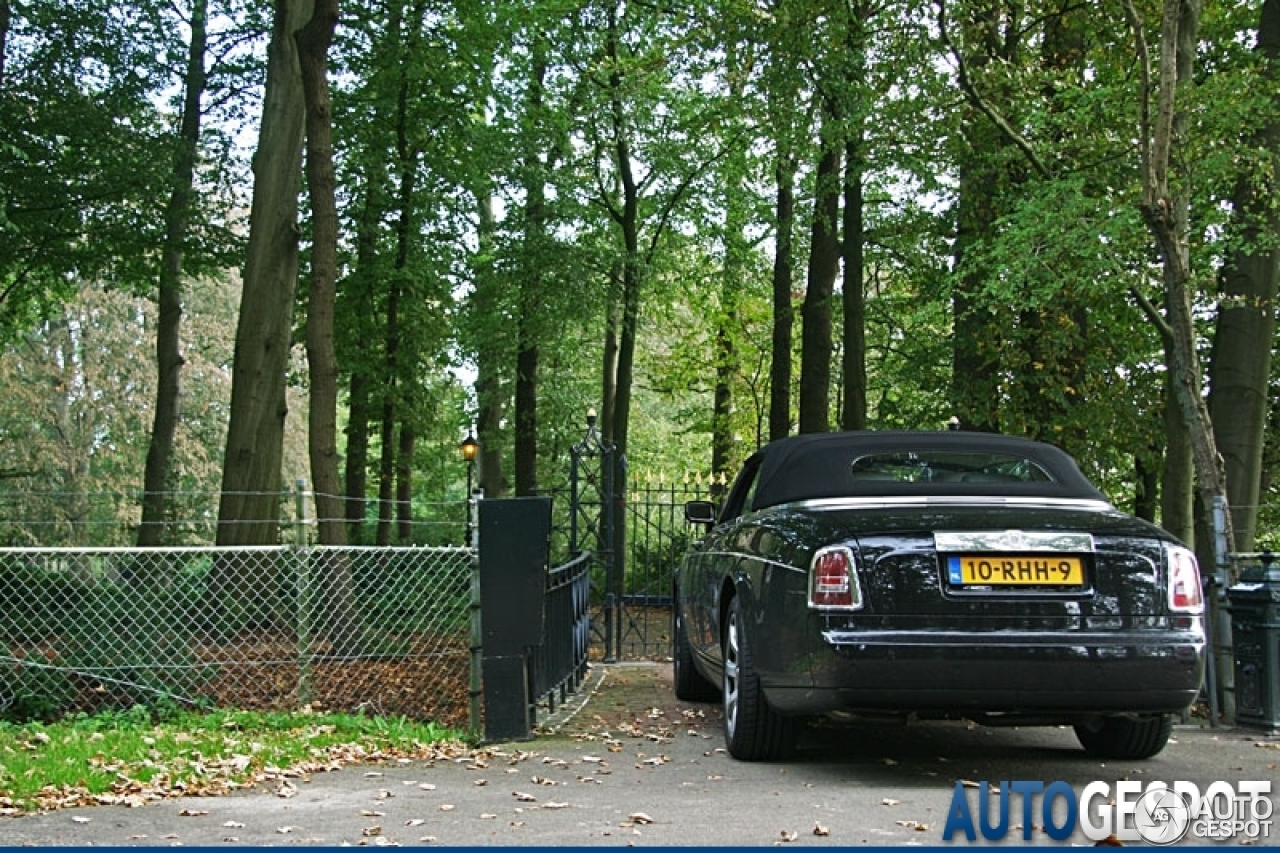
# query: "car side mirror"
[700,512]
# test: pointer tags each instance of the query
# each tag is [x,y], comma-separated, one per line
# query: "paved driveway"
[631,766]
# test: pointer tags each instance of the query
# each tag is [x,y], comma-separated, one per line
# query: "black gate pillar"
[515,545]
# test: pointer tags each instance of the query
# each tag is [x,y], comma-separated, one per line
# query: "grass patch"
[135,756]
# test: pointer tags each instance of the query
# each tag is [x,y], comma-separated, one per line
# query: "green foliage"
[34,691]
[446,113]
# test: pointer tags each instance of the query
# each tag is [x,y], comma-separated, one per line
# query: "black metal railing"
[558,666]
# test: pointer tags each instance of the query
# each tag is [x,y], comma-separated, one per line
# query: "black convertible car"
[933,575]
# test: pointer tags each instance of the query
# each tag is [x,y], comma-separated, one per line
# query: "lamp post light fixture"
[470,449]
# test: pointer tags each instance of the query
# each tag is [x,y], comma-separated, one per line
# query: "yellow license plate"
[1015,570]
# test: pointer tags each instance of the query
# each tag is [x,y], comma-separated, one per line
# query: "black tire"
[1126,738]
[753,731]
[689,684]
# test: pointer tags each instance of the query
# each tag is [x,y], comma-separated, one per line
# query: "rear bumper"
[953,673]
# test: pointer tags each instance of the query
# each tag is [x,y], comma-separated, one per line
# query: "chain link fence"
[380,630]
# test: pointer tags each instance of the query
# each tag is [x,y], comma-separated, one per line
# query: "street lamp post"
[470,449]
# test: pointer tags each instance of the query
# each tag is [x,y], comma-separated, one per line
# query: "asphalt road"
[628,765]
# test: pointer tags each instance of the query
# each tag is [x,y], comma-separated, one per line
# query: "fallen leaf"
[233,824]
[788,835]
[79,819]
[370,831]
[371,813]
[888,801]
[640,818]
[820,830]
[193,813]
[524,798]
[417,821]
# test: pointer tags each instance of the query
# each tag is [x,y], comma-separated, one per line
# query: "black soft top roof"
[821,465]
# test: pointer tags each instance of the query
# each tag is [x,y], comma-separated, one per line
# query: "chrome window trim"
[908,501]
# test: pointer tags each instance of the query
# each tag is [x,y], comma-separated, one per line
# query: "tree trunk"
[629,224]
[853,413]
[322,363]
[357,456]
[249,511]
[783,311]
[359,291]
[1166,214]
[1177,486]
[158,474]
[336,612]
[404,479]
[1240,367]
[387,455]
[529,323]
[815,313]
[728,363]
[490,398]
[407,155]
[1146,478]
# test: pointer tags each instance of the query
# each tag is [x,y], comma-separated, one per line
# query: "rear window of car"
[941,466]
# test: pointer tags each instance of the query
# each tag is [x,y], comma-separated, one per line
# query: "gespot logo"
[1157,813]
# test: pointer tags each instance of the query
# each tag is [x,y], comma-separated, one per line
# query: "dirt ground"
[627,699]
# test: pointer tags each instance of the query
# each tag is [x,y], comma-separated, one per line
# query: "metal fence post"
[303,563]
[476,687]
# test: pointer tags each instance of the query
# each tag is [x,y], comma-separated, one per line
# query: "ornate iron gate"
[635,528]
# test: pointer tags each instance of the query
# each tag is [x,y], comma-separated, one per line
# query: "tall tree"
[783,104]
[824,261]
[733,271]
[157,481]
[855,103]
[322,364]
[1165,208]
[248,513]
[1240,368]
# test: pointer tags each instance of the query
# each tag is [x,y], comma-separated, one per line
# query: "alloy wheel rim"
[731,674]
[678,633]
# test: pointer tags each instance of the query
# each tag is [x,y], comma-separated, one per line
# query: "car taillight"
[1184,581]
[833,581]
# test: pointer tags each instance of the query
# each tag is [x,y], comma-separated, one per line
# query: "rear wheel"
[753,730]
[1129,738]
[689,684]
